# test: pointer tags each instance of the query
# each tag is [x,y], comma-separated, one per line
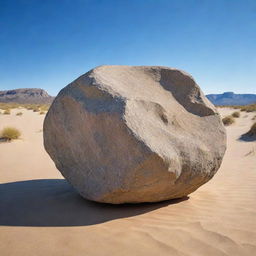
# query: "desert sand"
[40,214]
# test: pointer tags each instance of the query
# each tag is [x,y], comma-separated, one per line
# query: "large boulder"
[130,134]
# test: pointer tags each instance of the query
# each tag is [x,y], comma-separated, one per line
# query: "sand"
[40,214]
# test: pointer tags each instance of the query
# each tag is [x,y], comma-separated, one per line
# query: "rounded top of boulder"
[138,82]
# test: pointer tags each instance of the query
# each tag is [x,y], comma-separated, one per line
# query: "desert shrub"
[228,120]
[42,113]
[249,108]
[36,109]
[229,106]
[7,112]
[10,133]
[39,107]
[45,107]
[245,108]
[19,114]
[252,131]
[29,107]
[5,106]
[254,118]
[236,114]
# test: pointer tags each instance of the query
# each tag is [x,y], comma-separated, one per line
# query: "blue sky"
[49,43]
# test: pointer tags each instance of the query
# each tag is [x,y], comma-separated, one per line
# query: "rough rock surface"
[129,134]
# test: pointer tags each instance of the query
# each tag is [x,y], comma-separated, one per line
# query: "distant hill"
[26,96]
[230,98]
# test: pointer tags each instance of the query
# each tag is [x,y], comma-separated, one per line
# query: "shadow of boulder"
[247,137]
[53,202]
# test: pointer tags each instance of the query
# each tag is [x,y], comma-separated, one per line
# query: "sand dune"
[40,214]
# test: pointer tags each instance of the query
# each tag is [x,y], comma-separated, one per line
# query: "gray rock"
[130,134]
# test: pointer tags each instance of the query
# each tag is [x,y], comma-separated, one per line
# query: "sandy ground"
[40,214]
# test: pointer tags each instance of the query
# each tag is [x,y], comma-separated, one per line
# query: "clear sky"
[48,43]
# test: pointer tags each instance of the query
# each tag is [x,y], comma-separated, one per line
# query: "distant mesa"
[26,96]
[230,98]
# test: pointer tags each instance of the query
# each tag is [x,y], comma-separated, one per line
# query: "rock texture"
[26,96]
[124,134]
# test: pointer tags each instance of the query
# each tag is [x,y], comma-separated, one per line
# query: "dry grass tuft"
[42,113]
[36,107]
[44,107]
[252,131]
[236,114]
[228,120]
[19,114]
[5,106]
[249,108]
[7,112]
[10,133]
[246,108]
